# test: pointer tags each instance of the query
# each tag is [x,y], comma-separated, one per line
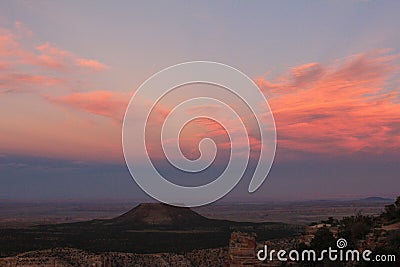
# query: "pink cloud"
[27,65]
[345,107]
[91,64]
[9,47]
[22,62]
[23,82]
[51,57]
[103,103]
[333,109]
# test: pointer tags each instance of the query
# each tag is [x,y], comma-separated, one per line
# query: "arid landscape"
[25,213]
[154,234]
[174,230]
[199,133]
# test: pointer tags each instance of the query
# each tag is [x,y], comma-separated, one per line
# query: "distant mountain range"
[367,199]
[377,199]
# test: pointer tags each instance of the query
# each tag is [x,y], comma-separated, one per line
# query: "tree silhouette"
[323,239]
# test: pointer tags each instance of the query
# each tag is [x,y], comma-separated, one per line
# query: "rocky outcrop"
[242,249]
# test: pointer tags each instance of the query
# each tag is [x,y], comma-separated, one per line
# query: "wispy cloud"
[91,64]
[25,63]
[64,79]
[103,103]
[346,107]
[15,81]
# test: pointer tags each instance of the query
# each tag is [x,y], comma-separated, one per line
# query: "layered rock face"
[242,250]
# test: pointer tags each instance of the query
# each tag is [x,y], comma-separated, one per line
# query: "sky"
[330,72]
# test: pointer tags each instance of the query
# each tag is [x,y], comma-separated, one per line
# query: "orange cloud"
[22,81]
[24,64]
[49,71]
[349,106]
[103,103]
[341,108]
[345,107]
[55,58]
[91,64]
[51,57]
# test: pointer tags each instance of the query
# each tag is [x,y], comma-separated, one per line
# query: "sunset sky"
[330,72]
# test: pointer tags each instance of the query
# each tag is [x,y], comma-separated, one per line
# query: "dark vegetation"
[356,228]
[392,212]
